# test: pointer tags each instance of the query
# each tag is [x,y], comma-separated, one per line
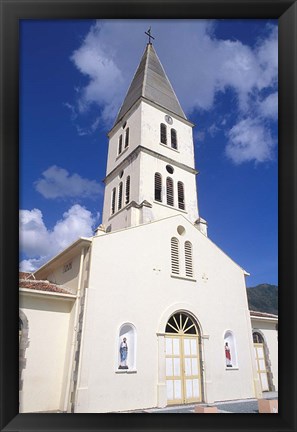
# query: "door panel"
[182,369]
[261,366]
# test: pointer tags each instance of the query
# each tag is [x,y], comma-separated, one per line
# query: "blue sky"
[73,78]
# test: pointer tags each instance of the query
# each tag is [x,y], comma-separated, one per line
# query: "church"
[148,312]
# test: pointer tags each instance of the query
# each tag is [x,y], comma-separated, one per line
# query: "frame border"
[11,12]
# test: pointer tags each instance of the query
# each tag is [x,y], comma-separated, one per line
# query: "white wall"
[43,377]
[68,279]
[130,281]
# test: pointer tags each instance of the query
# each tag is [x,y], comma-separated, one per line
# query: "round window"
[181,230]
[170,169]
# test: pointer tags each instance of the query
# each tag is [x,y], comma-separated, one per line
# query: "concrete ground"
[227,407]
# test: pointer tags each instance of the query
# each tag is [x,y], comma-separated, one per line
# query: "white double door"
[183,377]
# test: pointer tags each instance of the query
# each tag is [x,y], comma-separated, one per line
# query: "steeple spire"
[150,82]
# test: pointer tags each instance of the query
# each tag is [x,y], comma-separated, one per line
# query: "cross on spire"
[149,35]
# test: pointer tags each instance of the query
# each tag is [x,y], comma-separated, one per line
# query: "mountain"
[263,298]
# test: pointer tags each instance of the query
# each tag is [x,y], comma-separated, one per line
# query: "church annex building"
[149,311]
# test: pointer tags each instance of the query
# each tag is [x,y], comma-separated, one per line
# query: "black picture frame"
[13,11]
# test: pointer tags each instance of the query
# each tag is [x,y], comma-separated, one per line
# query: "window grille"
[127,138]
[189,259]
[113,200]
[120,196]
[163,133]
[173,139]
[127,198]
[181,195]
[174,256]
[158,187]
[120,144]
[169,191]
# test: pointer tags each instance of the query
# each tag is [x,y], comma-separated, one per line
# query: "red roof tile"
[262,314]
[42,286]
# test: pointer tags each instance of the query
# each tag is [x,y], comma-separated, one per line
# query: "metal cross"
[149,35]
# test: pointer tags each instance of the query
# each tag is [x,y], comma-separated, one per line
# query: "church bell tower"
[150,168]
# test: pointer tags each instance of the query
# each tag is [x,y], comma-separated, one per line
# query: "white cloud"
[110,54]
[212,64]
[250,140]
[39,244]
[58,183]
[268,107]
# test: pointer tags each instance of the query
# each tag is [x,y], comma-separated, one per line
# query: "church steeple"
[150,171]
[151,82]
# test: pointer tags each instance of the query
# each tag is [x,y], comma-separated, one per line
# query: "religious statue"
[228,355]
[123,354]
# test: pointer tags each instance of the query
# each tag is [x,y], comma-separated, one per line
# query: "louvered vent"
[120,196]
[158,187]
[127,138]
[163,133]
[189,259]
[113,201]
[181,195]
[173,139]
[169,191]
[174,256]
[120,144]
[127,198]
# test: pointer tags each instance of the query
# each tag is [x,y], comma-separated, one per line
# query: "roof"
[41,285]
[151,82]
[262,314]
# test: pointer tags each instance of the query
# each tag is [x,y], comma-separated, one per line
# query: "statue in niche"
[228,355]
[123,354]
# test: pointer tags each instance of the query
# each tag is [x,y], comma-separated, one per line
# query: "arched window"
[113,200]
[258,338]
[127,198]
[189,259]
[127,138]
[173,139]
[126,353]
[169,191]
[181,195]
[174,256]
[120,144]
[163,133]
[158,187]
[230,349]
[120,198]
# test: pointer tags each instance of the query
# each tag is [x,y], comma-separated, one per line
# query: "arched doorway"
[183,369]
[261,360]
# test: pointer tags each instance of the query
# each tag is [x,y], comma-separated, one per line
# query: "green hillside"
[263,298]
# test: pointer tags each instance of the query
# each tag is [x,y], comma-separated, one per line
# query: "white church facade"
[149,311]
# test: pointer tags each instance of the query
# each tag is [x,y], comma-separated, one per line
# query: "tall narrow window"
[113,200]
[173,139]
[158,187]
[120,196]
[169,191]
[181,195]
[120,144]
[188,259]
[174,256]
[163,133]
[127,197]
[127,138]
